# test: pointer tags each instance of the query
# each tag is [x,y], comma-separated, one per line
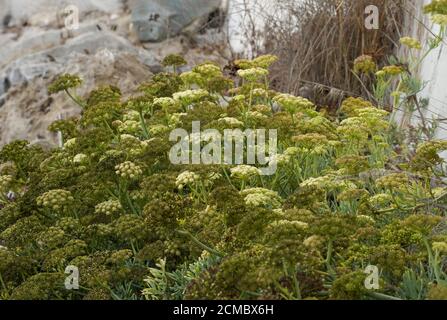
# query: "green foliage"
[110,202]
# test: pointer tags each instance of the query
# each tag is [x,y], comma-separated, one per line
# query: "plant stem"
[76,100]
[143,124]
[199,243]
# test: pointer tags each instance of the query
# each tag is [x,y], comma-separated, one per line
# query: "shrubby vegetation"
[348,193]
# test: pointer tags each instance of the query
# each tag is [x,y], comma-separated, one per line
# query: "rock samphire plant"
[110,202]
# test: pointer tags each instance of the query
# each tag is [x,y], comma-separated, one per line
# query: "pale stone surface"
[36,46]
[158,20]
[29,110]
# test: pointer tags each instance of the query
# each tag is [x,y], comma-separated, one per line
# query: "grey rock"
[157,20]
[13,13]
[103,50]
[51,61]
[28,109]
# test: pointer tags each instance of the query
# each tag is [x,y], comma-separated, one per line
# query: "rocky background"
[118,42]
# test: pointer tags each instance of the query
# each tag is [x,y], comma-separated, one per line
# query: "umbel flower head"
[108,207]
[244,172]
[440,247]
[5,183]
[164,102]
[394,181]
[208,71]
[253,74]
[186,178]
[392,70]
[260,197]
[190,96]
[64,82]
[128,170]
[293,104]
[55,199]
[264,62]
[364,64]
[440,19]
[173,60]
[80,158]
[233,122]
[436,7]
[411,43]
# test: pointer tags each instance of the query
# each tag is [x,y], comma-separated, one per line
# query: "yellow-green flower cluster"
[392,70]
[440,247]
[130,144]
[176,119]
[120,257]
[260,197]
[350,106]
[394,181]
[211,178]
[233,122]
[191,78]
[259,92]
[128,170]
[299,225]
[440,19]
[364,64]
[310,140]
[352,164]
[280,159]
[158,129]
[253,74]
[328,182]
[427,155]
[172,248]
[366,219]
[436,7]
[208,70]
[313,242]
[266,110]
[380,200]
[128,126]
[437,292]
[352,195]
[256,115]
[55,199]
[363,122]
[244,172]
[164,102]
[190,96]
[80,158]
[64,82]
[5,183]
[411,43]
[264,62]
[108,207]
[186,178]
[173,60]
[293,104]
[70,143]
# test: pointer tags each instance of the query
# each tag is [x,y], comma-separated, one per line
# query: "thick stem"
[76,100]
[143,125]
[199,243]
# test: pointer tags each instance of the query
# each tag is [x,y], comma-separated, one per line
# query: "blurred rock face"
[157,20]
[37,44]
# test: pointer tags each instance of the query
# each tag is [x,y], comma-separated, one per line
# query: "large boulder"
[36,46]
[29,109]
[157,20]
